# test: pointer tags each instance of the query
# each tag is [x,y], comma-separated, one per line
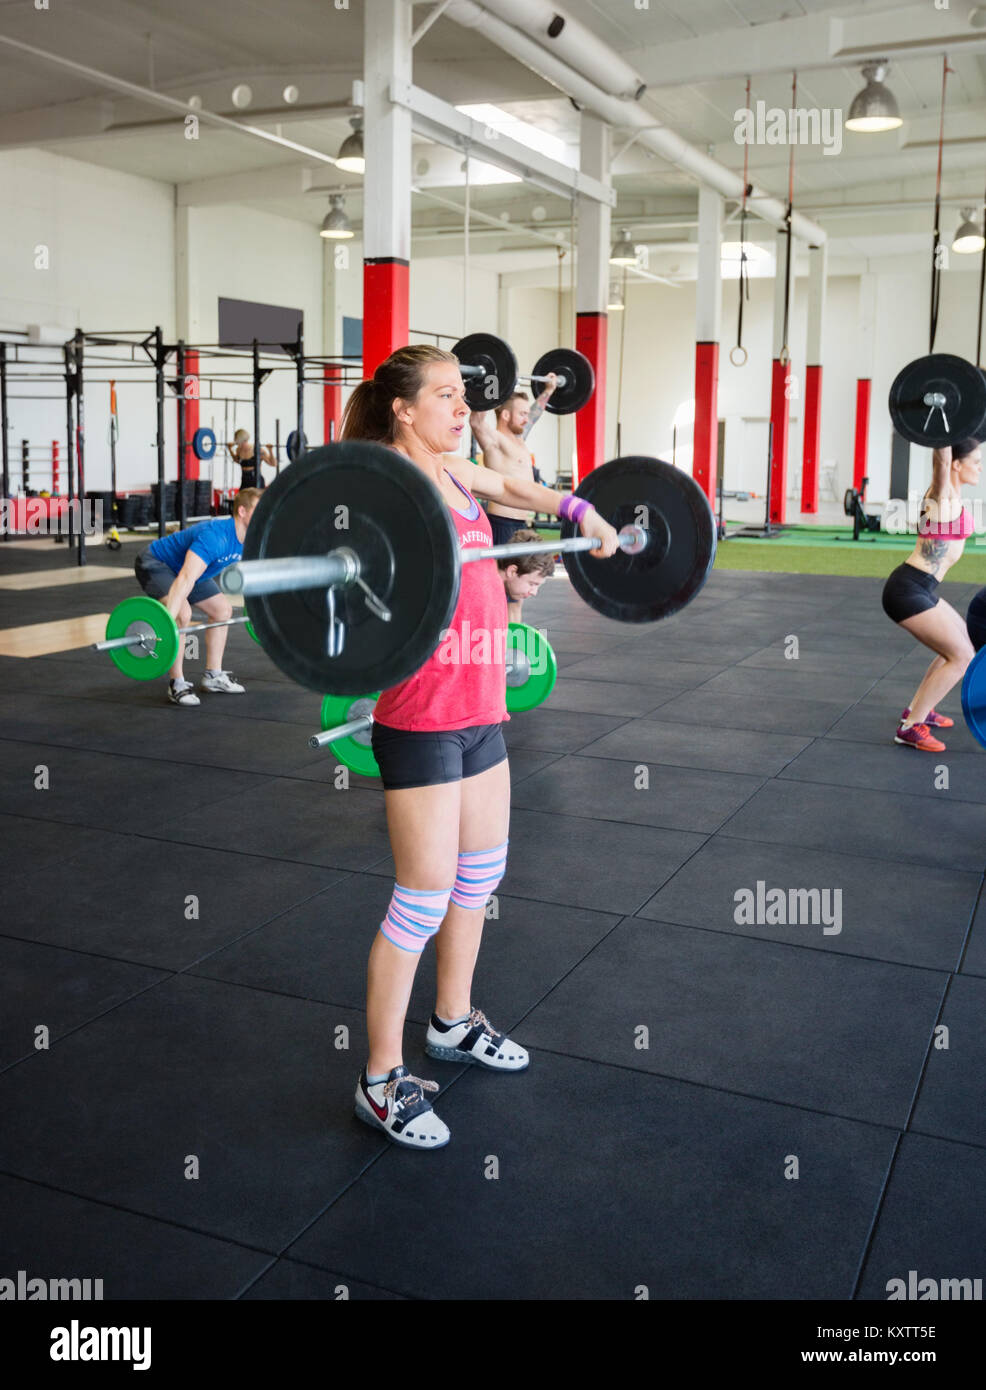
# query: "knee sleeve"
[413,916]
[478,873]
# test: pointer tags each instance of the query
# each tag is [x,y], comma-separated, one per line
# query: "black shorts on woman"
[909,591]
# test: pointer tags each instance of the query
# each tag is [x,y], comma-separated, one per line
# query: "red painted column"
[192,395]
[591,337]
[332,402]
[862,431]
[812,441]
[385,309]
[705,456]
[780,418]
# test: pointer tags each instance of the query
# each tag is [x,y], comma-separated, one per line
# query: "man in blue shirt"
[179,569]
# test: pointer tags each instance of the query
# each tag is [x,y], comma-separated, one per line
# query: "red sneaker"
[934,720]
[919,736]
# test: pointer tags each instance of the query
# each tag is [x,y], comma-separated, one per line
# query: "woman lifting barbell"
[910,597]
[438,742]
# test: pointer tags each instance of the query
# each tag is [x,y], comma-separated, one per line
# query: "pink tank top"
[958,530]
[464,681]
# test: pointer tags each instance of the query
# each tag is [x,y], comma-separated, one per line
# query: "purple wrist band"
[573,508]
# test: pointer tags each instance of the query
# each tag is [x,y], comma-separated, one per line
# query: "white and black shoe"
[182,693]
[398,1107]
[222,682]
[474,1040]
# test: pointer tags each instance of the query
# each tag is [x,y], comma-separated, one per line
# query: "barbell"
[142,636]
[490,375]
[354,536]
[939,400]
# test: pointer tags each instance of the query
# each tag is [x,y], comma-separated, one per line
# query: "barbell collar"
[250,577]
[359,725]
[561,380]
[633,539]
[935,399]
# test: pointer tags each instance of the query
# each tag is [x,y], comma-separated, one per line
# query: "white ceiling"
[187,47]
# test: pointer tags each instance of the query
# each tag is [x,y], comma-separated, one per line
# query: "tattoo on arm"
[536,411]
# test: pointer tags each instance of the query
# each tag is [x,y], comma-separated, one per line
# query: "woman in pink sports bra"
[910,595]
[438,742]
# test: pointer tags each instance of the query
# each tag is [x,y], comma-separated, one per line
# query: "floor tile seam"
[168,761]
[195,844]
[596,758]
[945,970]
[135,1211]
[319,1269]
[885,859]
[941,796]
[720,1089]
[88,1022]
[864,1255]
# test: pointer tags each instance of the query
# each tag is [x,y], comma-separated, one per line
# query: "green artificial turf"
[839,557]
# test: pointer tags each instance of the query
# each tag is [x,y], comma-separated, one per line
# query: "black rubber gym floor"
[717,1106]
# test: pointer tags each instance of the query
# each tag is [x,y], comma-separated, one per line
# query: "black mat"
[766,1040]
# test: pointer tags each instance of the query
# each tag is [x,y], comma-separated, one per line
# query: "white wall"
[110,243]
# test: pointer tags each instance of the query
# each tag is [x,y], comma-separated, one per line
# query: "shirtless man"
[504,451]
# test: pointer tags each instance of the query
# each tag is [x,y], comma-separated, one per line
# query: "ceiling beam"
[811,42]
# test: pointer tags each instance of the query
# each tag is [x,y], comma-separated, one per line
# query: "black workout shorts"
[909,591]
[505,527]
[155,578]
[428,759]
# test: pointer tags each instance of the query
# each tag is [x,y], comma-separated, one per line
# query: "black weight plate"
[376,502]
[963,387]
[676,563]
[297,444]
[499,367]
[580,380]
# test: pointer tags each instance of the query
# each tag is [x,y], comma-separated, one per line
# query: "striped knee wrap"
[413,916]
[478,873]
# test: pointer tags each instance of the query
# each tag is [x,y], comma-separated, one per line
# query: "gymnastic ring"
[735,358]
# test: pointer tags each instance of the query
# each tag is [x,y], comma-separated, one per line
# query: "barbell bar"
[489,371]
[341,568]
[354,530]
[143,638]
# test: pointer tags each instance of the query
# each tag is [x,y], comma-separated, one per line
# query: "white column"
[595,238]
[818,257]
[187,299]
[708,291]
[386,130]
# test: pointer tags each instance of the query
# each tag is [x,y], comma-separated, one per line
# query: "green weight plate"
[250,629]
[145,616]
[354,752]
[538,668]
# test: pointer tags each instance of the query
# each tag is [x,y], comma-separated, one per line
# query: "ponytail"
[369,412]
[366,415]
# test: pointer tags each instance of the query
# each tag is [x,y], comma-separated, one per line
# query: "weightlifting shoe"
[222,682]
[933,719]
[182,693]
[474,1040]
[919,736]
[398,1106]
